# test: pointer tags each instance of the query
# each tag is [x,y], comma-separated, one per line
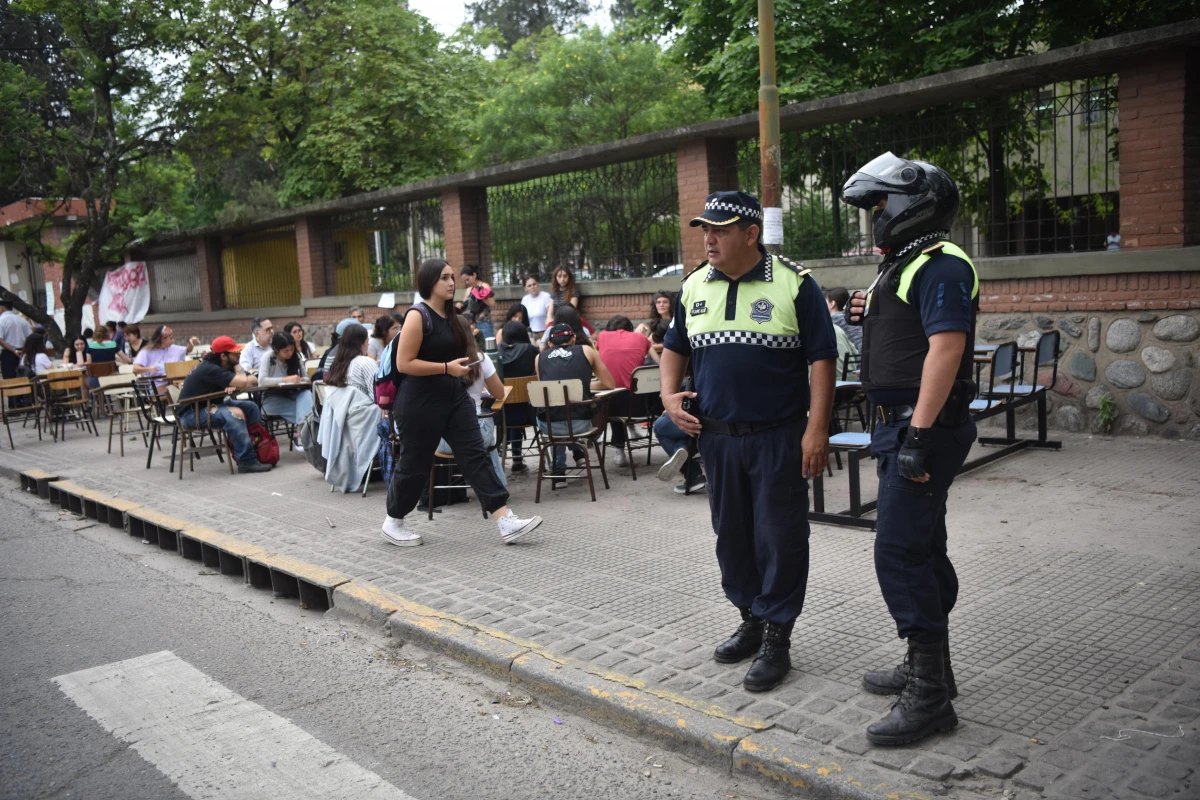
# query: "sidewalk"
[1079,613]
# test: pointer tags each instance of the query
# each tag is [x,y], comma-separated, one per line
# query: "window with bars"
[1037,172]
[613,221]
[378,249]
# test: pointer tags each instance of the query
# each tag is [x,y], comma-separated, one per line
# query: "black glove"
[912,453]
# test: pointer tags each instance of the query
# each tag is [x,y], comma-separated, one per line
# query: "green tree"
[554,93]
[515,20]
[316,100]
[827,47]
[84,115]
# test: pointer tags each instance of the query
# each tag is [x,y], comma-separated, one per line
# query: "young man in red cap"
[218,373]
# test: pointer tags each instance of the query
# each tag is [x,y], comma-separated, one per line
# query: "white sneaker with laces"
[512,528]
[396,531]
[674,464]
[299,448]
[621,459]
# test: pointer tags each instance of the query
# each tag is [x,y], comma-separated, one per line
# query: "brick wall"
[1160,151]
[311,255]
[465,221]
[1140,291]
[703,166]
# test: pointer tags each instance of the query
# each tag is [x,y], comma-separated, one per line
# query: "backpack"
[266,446]
[307,431]
[387,377]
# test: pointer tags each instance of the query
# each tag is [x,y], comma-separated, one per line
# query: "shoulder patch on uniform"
[933,248]
[760,310]
[794,266]
[699,307]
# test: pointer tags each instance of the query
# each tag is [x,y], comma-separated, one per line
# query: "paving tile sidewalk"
[1078,618]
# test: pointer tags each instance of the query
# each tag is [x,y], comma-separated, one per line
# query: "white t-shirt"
[538,307]
[41,361]
[487,370]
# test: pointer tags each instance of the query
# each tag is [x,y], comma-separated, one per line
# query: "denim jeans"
[487,429]
[223,419]
[293,408]
[560,429]
[672,439]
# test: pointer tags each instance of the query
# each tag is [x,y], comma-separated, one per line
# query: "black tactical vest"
[894,341]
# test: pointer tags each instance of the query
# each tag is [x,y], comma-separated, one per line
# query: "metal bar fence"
[1037,172]
[377,250]
[613,221]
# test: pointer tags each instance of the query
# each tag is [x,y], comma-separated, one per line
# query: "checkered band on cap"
[770,340]
[733,208]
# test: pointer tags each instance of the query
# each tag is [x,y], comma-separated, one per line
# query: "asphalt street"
[75,597]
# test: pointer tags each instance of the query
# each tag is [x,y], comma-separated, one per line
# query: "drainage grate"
[287,577]
[151,526]
[217,551]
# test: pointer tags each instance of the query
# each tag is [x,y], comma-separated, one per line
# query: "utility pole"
[768,130]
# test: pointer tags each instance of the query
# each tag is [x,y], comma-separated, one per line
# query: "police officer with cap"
[918,347]
[751,324]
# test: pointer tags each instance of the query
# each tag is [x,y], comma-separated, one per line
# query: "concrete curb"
[750,746]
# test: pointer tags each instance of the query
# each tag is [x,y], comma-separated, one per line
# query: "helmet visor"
[883,175]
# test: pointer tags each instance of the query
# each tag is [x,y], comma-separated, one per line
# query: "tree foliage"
[554,93]
[82,116]
[324,98]
[828,47]
[515,20]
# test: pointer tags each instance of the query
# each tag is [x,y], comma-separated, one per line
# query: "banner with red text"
[125,296]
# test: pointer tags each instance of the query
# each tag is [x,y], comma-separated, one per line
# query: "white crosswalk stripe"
[211,741]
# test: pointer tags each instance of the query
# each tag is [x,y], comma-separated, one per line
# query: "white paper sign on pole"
[387,300]
[125,295]
[50,298]
[772,226]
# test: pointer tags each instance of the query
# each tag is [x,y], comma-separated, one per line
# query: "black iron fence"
[1037,172]
[613,221]
[377,250]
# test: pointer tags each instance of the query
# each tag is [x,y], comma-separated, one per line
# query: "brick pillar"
[311,255]
[1159,107]
[465,220]
[208,260]
[703,166]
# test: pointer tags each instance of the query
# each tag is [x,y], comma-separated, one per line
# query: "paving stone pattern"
[1069,661]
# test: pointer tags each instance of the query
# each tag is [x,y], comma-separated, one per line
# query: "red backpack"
[266,446]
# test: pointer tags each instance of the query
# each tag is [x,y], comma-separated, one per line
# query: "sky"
[447,15]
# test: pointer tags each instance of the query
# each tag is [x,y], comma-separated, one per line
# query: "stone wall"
[1144,360]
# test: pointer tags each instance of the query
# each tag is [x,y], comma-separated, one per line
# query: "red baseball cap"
[225,344]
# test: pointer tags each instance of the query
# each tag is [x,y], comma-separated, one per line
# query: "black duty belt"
[710,425]
[895,413]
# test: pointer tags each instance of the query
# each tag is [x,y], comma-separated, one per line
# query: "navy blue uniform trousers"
[916,577]
[759,502]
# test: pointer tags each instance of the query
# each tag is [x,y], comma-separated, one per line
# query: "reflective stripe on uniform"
[910,269]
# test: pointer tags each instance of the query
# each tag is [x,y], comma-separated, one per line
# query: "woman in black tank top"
[433,404]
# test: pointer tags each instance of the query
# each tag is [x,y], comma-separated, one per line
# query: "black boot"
[745,641]
[924,705]
[773,661]
[891,681]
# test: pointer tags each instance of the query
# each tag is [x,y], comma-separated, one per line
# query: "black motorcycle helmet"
[922,198]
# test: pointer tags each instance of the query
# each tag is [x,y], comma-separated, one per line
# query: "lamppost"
[768,129]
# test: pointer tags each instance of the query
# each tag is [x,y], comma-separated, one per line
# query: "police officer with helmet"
[751,324]
[918,322]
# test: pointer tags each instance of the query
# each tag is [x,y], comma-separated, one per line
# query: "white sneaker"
[674,464]
[621,459]
[299,448]
[636,431]
[698,485]
[512,528]
[396,531]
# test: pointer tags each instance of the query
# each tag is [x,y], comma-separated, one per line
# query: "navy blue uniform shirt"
[746,382]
